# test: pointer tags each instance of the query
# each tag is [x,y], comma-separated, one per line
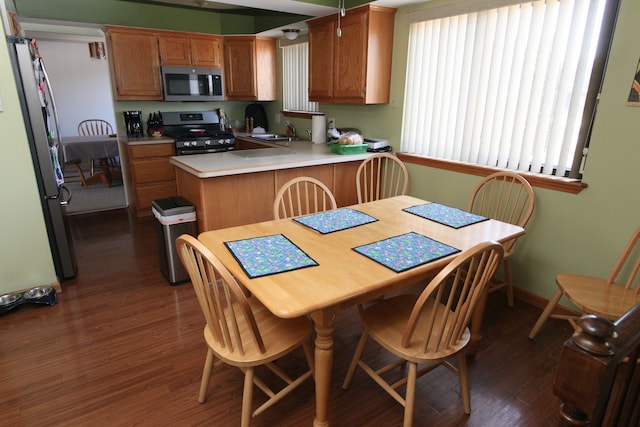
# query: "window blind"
[295,78]
[504,87]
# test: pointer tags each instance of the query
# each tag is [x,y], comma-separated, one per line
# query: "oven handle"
[183,152]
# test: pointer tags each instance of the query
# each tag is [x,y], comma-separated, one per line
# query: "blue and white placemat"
[262,256]
[405,251]
[453,217]
[335,220]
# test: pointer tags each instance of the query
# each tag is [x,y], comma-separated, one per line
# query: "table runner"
[335,220]
[405,251]
[446,215]
[262,256]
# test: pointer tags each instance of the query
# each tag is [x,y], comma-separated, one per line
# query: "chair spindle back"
[450,299]
[381,176]
[221,298]
[302,196]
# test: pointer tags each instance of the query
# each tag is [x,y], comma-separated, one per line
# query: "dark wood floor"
[124,348]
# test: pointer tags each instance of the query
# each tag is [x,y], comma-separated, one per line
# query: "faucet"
[289,129]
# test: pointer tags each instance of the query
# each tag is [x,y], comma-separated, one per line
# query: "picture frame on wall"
[634,95]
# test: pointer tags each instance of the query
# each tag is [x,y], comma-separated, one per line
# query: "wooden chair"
[430,328]
[99,127]
[240,331]
[609,298]
[302,196]
[508,197]
[94,127]
[380,176]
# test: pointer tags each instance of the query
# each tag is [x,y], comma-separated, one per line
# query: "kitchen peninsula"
[238,187]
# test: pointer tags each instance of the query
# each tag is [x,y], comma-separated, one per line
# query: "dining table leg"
[476,323]
[324,321]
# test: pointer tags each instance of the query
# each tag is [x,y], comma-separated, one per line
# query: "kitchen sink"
[274,137]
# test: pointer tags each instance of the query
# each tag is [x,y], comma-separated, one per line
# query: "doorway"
[78,71]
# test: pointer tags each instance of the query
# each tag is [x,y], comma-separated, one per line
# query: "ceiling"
[301,8]
[296,7]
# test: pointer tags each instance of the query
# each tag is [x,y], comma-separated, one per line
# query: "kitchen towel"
[319,129]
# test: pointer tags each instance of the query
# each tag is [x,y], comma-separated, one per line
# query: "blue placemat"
[405,251]
[262,256]
[335,220]
[453,217]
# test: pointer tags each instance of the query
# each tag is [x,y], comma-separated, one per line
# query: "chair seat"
[594,295]
[279,336]
[386,322]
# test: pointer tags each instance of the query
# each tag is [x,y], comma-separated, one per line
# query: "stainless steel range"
[197,132]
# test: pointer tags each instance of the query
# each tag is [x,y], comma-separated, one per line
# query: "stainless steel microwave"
[192,84]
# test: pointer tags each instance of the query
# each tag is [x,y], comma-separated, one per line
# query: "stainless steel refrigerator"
[41,124]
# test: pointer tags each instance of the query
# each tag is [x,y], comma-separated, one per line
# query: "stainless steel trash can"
[174,216]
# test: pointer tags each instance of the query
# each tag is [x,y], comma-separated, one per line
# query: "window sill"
[566,185]
[301,114]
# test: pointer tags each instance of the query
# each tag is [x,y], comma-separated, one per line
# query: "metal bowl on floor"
[38,292]
[9,299]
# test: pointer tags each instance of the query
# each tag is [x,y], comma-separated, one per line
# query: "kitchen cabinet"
[245,144]
[134,63]
[356,67]
[235,190]
[151,175]
[189,49]
[250,68]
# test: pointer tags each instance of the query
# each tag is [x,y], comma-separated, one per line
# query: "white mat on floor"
[97,197]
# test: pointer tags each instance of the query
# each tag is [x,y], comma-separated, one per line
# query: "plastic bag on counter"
[350,138]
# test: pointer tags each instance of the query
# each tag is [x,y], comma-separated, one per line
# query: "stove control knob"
[207,142]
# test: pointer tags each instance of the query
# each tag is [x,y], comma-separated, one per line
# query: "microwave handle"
[210,84]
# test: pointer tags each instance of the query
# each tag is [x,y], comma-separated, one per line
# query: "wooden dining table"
[91,147]
[343,277]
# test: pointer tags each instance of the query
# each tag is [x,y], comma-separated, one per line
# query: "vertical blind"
[504,87]
[295,78]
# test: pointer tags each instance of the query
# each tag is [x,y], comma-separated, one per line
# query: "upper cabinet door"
[175,49]
[356,67]
[250,68]
[135,65]
[322,35]
[206,51]
[240,68]
[350,68]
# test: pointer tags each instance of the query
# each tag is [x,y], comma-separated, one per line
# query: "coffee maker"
[133,121]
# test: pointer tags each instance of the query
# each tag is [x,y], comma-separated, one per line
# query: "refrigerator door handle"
[64,195]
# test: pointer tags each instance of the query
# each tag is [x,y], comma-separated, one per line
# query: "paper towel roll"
[318,130]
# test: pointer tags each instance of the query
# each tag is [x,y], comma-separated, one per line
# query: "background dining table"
[87,147]
[344,277]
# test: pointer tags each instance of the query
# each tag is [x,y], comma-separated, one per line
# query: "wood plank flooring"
[123,348]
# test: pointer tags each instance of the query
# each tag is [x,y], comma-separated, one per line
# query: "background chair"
[429,328]
[381,176]
[100,127]
[507,197]
[609,298]
[240,331]
[302,196]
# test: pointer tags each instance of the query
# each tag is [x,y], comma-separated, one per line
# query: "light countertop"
[279,156]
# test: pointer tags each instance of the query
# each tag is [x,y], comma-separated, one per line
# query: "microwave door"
[209,84]
[193,86]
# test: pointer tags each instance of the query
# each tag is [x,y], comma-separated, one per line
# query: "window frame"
[574,183]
